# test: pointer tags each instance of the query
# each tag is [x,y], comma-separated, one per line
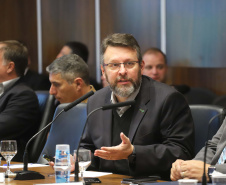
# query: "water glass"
[8,150]
[84,160]
[62,163]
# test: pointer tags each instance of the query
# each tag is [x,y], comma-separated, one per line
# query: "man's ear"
[142,64]
[10,67]
[102,70]
[78,82]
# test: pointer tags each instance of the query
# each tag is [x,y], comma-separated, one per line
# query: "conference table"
[112,179]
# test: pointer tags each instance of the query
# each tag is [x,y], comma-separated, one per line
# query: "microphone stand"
[25,174]
[31,175]
[76,161]
[204,181]
[111,106]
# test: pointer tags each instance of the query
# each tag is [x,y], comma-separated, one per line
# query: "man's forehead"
[55,76]
[117,52]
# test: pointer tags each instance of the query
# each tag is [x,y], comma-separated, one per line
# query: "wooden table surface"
[112,179]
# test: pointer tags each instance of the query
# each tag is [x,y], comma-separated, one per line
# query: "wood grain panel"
[140,18]
[63,21]
[210,78]
[18,22]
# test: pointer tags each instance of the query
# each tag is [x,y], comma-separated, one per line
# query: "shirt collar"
[7,84]
[122,110]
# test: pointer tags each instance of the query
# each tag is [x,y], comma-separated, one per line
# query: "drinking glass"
[84,160]
[8,150]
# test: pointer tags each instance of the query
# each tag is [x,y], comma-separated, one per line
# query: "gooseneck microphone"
[204,181]
[105,107]
[31,175]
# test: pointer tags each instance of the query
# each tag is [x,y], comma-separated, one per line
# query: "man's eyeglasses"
[116,66]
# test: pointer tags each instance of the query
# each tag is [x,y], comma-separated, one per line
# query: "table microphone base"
[28,175]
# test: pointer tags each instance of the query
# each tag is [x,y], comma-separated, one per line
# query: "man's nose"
[52,90]
[122,69]
[154,70]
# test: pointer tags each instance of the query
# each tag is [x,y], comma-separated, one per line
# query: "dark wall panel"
[18,22]
[210,78]
[67,20]
[140,18]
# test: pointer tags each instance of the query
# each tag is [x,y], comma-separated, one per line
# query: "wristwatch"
[211,169]
[132,157]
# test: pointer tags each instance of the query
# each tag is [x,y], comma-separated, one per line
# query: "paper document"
[92,174]
[71,183]
[30,165]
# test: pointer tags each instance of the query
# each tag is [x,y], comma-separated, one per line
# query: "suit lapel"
[221,146]
[107,122]
[5,92]
[140,107]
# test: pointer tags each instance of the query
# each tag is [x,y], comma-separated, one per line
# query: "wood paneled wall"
[68,20]
[63,21]
[18,22]
[210,78]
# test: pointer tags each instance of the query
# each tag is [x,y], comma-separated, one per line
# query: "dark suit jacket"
[161,129]
[36,81]
[19,111]
[215,148]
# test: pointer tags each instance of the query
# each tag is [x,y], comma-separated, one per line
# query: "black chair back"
[220,100]
[47,109]
[198,95]
[201,115]
[66,129]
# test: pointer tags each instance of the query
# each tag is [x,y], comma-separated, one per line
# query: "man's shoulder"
[156,86]
[21,89]
[20,86]
[100,96]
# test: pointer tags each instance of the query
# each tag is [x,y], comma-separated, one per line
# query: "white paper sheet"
[30,165]
[71,183]
[92,174]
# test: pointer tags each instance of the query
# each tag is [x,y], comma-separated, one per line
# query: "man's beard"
[125,90]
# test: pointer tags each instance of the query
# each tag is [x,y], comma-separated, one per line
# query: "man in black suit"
[18,103]
[143,139]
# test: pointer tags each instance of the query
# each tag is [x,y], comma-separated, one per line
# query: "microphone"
[105,107]
[74,103]
[204,181]
[25,174]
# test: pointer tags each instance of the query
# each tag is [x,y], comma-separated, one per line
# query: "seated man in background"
[38,82]
[81,50]
[156,67]
[19,108]
[155,64]
[142,139]
[69,77]
[215,159]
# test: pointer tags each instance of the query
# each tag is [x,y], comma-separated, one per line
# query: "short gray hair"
[70,67]
[120,40]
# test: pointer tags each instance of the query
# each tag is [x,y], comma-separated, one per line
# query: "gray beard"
[126,90]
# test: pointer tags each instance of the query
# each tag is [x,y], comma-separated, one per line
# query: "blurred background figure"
[33,79]
[156,68]
[81,50]
[155,64]
[77,48]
